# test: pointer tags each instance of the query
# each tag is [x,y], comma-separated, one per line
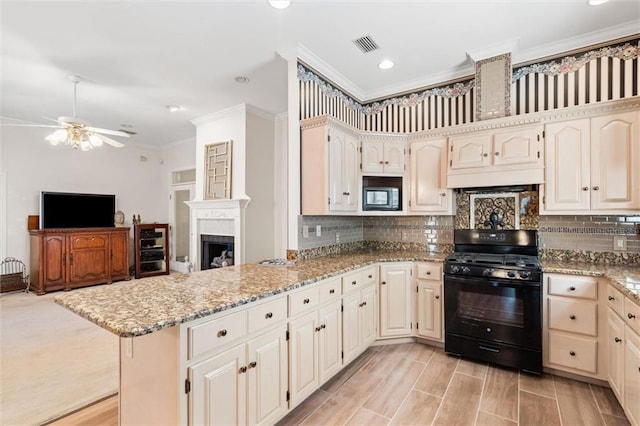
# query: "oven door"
[494,310]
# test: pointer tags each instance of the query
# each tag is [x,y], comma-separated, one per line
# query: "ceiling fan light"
[61,135]
[85,145]
[279,4]
[52,139]
[95,140]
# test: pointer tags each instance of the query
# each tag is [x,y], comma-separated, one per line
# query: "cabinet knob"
[485,155]
[305,301]
[497,153]
[611,298]
[437,297]
[572,288]
[243,369]
[630,316]
[596,188]
[222,333]
[585,188]
[253,364]
[346,193]
[572,353]
[572,317]
[618,340]
[268,315]
[354,282]
[443,194]
[323,326]
[386,162]
[317,329]
[381,162]
[332,291]
[428,272]
[364,303]
[383,283]
[370,276]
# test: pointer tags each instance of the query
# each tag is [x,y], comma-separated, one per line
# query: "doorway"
[182,190]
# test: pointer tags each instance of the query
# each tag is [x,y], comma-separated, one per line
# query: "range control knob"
[524,274]
[511,274]
[455,269]
[487,272]
[466,269]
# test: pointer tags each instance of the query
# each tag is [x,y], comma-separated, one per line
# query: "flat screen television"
[70,210]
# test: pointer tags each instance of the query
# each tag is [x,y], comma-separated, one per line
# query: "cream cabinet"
[615,353]
[329,167]
[429,321]
[506,156]
[359,312]
[632,376]
[428,178]
[395,300]
[593,165]
[383,157]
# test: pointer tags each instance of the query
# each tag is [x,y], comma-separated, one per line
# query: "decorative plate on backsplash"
[480,207]
[495,211]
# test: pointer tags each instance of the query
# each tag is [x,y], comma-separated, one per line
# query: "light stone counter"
[626,278]
[139,307]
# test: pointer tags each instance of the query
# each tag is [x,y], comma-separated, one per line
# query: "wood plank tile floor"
[415,384]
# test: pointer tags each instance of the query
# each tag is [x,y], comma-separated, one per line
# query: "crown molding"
[507,46]
[219,114]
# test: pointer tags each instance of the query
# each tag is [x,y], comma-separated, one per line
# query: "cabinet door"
[632,376]
[615,162]
[567,153]
[395,300]
[430,310]
[330,323]
[351,326]
[267,377]
[119,255]
[303,357]
[368,317]
[54,254]
[393,157]
[350,173]
[218,389]
[519,146]
[343,171]
[372,157]
[615,352]
[427,177]
[470,151]
[88,257]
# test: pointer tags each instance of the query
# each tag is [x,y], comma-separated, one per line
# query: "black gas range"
[492,287]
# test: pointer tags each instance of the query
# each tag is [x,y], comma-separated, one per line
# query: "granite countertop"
[626,277]
[139,307]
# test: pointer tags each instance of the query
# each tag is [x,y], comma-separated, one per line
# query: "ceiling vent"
[366,44]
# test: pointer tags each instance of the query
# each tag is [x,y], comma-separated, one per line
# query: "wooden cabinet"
[359,312]
[429,321]
[151,249]
[593,165]
[508,156]
[383,157]
[329,167]
[76,257]
[395,300]
[428,178]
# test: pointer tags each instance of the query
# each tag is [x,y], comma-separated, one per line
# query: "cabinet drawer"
[210,335]
[330,289]
[351,281]
[267,314]
[615,300]
[632,315]
[369,275]
[78,242]
[580,287]
[429,271]
[575,352]
[574,316]
[303,300]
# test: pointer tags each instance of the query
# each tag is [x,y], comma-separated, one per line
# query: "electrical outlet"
[620,242]
[405,236]
[337,237]
[318,230]
[305,231]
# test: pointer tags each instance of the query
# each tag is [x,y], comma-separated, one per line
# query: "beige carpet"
[51,360]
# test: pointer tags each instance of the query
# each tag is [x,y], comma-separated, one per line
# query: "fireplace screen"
[217,251]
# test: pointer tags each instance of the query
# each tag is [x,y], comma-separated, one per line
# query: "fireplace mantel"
[217,217]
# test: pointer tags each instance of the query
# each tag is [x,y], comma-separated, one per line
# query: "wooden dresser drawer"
[573,352]
[615,300]
[369,275]
[573,315]
[573,286]
[330,289]
[632,315]
[428,271]
[212,334]
[267,314]
[303,300]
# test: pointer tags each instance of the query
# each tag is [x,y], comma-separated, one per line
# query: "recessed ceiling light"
[385,64]
[242,80]
[597,2]
[279,4]
[174,108]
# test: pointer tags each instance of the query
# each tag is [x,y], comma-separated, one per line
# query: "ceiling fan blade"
[110,141]
[31,125]
[108,132]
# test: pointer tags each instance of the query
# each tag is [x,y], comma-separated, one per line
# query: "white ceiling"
[137,57]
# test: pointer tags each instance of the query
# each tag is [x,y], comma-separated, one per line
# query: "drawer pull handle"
[305,301]
[346,193]
[370,276]
[630,316]
[354,282]
[253,364]
[618,340]
[572,288]
[428,272]
[243,369]
[437,297]
[269,315]
[332,291]
[572,353]
[572,317]
[222,333]
[611,298]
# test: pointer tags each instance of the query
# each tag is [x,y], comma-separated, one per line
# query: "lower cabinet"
[615,353]
[395,300]
[632,376]
[429,318]
[359,322]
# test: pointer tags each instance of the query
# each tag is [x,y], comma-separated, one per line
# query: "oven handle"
[486,348]
[495,282]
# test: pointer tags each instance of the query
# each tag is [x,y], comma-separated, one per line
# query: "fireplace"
[217,251]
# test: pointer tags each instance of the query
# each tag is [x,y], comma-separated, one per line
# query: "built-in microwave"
[381,198]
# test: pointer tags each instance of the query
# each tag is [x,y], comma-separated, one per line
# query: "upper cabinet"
[508,156]
[329,168]
[593,165]
[383,157]
[428,177]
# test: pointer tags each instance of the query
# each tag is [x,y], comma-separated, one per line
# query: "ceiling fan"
[75,132]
